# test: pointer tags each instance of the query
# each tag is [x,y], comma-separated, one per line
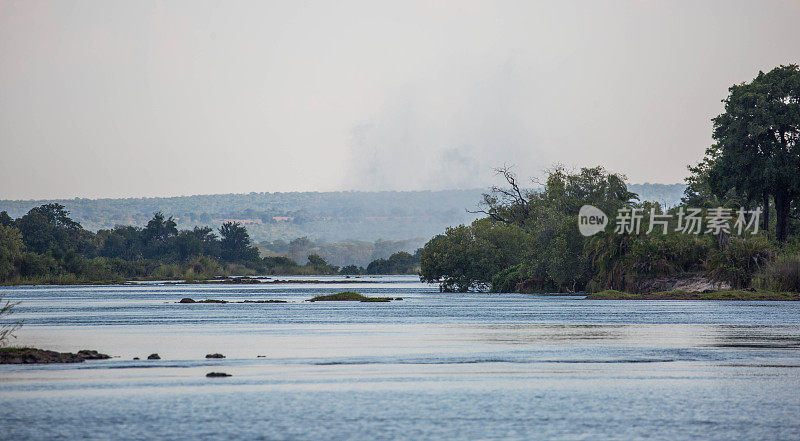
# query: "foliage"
[622,261]
[508,279]
[341,253]
[758,132]
[48,229]
[400,262]
[534,231]
[46,246]
[320,266]
[739,261]
[11,251]
[467,257]
[7,328]
[235,243]
[535,246]
[782,274]
[351,270]
[323,216]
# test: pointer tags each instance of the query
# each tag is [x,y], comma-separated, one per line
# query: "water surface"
[432,366]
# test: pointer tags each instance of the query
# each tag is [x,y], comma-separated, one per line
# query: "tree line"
[529,240]
[47,246]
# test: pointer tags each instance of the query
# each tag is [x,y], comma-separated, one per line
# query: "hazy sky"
[137,98]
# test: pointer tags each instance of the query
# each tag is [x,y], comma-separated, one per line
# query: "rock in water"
[217,374]
[215,356]
[153,357]
[33,355]
[92,355]
[187,300]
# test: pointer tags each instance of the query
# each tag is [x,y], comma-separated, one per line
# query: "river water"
[430,366]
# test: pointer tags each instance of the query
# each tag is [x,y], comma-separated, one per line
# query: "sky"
[147,98]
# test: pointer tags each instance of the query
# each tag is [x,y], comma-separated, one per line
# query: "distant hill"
[668,195]
[322,216]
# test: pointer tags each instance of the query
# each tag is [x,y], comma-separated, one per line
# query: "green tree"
[320,265]
[235,243]
[555,257]
[351,270]
[48,229]
[467,257]
[11,250]
[5,219]
[196,242]
[56,215]
[124,242]
[756,150]
[158,236]
[159,228]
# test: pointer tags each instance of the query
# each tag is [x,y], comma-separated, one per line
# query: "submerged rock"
[216,355]
[187,300]
[154,357]
[217,374]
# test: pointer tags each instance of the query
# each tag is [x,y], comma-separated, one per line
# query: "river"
[430,366]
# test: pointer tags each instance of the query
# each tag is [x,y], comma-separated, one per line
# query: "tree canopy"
[756,152]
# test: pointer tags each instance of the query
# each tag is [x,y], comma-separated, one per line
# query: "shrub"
[7,329]
[168,272]
[739,262]
[782,274]
[507,280]
[624,261]
[34,265]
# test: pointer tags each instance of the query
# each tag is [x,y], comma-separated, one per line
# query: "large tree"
[756,150]
[48,228]
[11,249]
[235,243]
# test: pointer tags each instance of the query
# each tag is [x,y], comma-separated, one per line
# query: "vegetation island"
[529,240]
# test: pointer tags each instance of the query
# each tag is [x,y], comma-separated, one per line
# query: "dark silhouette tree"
[756,150]
[235,243]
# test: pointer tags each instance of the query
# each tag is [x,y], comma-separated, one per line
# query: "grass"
[348,296]
[782,274]
[741,295]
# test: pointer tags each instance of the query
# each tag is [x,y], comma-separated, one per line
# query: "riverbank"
[738,295]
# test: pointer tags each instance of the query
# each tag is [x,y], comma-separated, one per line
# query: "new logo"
[591,220]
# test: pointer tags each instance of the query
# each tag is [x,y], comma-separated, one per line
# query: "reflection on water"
[432,366]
